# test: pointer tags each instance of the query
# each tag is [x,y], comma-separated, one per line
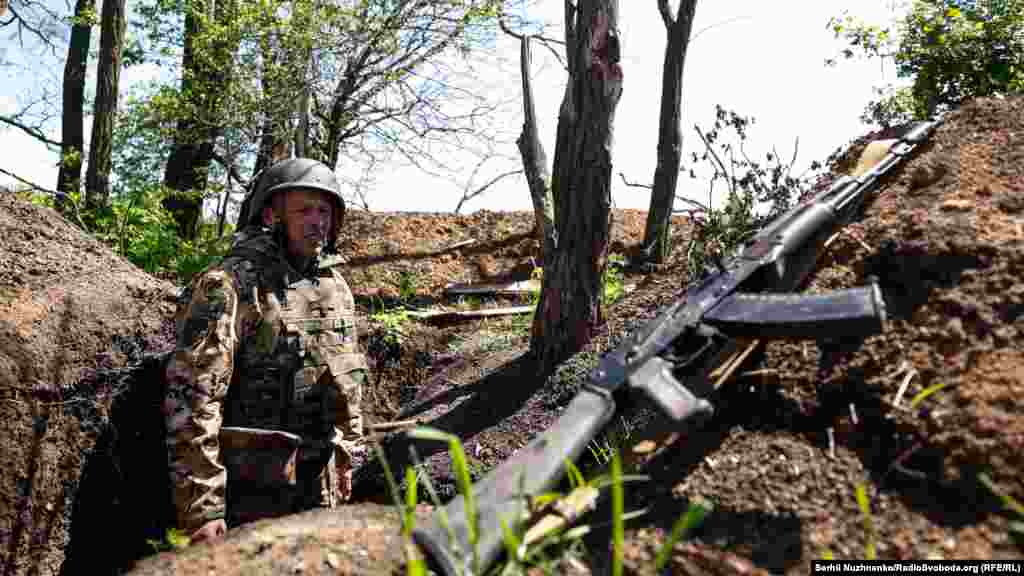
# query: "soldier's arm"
[352,374]
[198,375]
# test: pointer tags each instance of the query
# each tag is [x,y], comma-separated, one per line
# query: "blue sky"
[749,56]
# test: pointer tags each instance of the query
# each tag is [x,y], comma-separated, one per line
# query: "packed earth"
[924,418]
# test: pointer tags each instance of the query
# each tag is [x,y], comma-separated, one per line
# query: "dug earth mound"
[926,417]
[70,310]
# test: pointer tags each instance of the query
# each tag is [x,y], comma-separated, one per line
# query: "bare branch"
[31,184]
[634,184]
[504,28]
[717,24]
[723,170]
[480,190]
[23,24]
[754,172]
[232,170]
[547,44]
[700,206]
[666,13]
[792,162]
[33,132]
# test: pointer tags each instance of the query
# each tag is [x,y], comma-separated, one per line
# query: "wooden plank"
[522,287]
[427,315]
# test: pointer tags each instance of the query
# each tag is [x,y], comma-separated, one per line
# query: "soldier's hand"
[209,532]
[345,483]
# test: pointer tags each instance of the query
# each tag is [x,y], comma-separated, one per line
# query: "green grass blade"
[414,566]
[618,508]
[917,399]
[602,482]
[575,476]
[513,545]
[1008,501]
[869,523]
[409,520]
[388,476]
[460,467]
[442,514]
[687,521]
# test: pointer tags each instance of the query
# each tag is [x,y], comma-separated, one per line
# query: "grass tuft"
[692,518]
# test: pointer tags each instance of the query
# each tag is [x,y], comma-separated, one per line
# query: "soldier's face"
[308,217]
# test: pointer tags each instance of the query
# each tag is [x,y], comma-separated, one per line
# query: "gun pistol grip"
[655,379]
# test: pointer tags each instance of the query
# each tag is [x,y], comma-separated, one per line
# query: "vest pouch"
[259,456]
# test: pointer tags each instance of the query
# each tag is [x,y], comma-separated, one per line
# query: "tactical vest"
[298,357]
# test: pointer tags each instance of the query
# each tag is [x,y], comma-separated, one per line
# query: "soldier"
[263,388]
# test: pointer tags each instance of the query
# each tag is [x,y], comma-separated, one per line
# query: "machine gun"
[670,359]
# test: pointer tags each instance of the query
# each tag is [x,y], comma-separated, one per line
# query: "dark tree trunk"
[108,75]
[570,300]
[666,174]
[72,147]
[187,172]
[186,169]
[535,161]
[277,138]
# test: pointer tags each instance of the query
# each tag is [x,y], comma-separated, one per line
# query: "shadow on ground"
[477,407]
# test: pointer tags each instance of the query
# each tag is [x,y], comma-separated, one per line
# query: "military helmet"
[303,173]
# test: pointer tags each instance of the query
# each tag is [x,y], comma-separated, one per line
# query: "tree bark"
[187,172]
[570,299]
[535,161]
[108,76]
[72,148]
[666,173]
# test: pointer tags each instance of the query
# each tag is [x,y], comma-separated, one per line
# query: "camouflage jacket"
[261,346]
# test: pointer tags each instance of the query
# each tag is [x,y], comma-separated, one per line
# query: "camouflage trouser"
[316,470]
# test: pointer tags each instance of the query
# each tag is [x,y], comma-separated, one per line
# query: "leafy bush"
[756,192]
[614,287]
[139,228]
[950,50]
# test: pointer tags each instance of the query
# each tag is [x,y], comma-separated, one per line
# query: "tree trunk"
[279,98]
[535,161]
[72,147]
[108,76]
[570,300]
[666,174]
[188,166]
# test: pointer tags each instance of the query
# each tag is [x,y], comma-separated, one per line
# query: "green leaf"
[618,508]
